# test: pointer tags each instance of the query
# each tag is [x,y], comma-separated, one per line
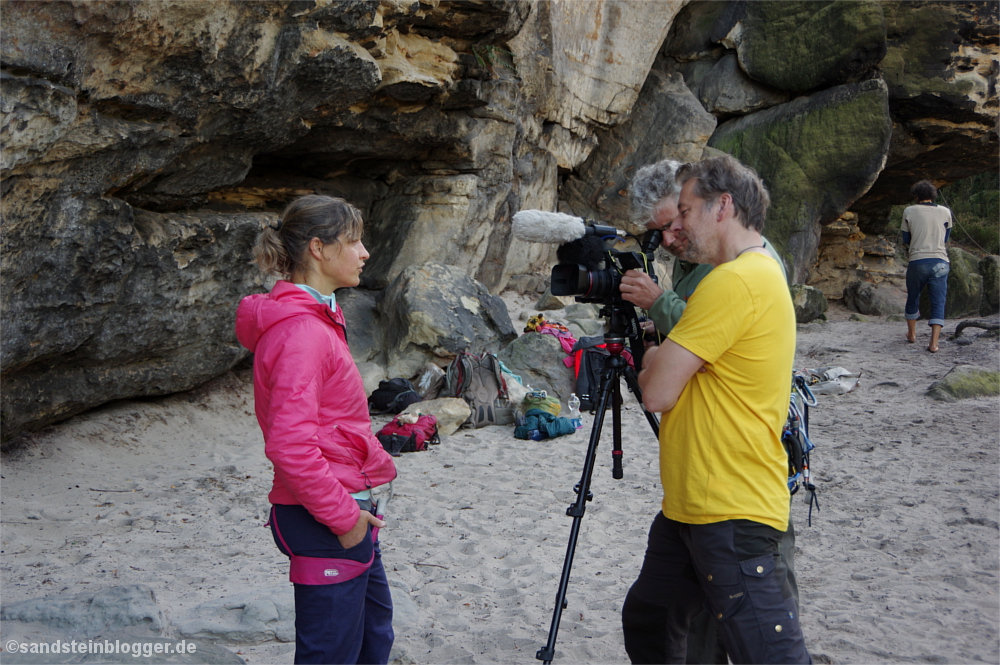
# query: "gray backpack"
[479,381]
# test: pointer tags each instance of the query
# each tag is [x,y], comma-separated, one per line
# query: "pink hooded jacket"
[311,406]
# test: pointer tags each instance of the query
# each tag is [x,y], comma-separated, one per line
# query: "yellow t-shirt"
[721,456]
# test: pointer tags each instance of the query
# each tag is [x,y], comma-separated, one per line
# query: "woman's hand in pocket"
[360,530]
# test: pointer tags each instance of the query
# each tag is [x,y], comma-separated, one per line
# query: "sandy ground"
[900,565]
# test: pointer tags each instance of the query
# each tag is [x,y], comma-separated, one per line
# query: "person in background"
[721,381]
[311,405]
[926,228]
[653,194]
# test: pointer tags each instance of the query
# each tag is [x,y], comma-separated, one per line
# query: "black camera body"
[599,280]
[601,285]
[594,286]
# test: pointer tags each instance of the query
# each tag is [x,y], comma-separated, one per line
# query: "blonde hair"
[280,249]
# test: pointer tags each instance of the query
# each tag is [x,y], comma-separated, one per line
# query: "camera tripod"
[615,368]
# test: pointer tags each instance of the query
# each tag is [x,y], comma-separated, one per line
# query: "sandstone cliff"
[145,144]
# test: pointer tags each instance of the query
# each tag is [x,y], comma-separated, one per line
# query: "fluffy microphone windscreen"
[552,227]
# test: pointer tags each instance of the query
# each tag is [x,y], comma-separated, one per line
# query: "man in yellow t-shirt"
[721,381]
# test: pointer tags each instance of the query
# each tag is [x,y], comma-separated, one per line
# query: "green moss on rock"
[810,303]
[920,46]
[966,381]
[816,154]
[804,45]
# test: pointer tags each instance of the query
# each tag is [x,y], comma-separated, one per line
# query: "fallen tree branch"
[985,325]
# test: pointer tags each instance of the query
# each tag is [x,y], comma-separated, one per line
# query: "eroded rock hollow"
[146,143]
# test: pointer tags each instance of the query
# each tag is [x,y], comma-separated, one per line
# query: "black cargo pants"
[732,569]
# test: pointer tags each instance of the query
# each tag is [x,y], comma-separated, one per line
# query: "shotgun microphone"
[558,228]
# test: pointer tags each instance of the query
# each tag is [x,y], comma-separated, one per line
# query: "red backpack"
[398,437]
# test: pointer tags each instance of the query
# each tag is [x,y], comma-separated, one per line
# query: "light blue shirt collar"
[330,300]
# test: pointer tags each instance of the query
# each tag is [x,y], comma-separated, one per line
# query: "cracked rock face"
[146,143]
[130,130]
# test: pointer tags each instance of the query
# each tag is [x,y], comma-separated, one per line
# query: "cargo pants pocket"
[757,624]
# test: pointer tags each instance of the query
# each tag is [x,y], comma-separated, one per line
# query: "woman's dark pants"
[348,622]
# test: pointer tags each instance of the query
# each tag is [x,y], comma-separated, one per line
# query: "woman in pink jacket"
[311,406]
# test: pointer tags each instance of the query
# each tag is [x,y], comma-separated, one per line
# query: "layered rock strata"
[145,143]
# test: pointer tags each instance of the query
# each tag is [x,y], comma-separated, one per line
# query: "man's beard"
[688,251]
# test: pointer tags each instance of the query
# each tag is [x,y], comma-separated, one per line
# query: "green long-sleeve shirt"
[669,307]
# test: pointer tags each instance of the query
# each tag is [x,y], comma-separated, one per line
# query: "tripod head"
[623,328]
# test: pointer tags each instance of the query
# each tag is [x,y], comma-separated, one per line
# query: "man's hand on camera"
[639,289]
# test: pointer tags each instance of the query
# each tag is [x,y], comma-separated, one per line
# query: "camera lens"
[574,280]
[603,283]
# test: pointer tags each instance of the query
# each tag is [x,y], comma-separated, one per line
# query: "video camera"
[601,285]
[590,271]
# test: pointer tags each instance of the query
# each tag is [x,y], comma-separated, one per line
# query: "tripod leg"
[576,511]
[616,419]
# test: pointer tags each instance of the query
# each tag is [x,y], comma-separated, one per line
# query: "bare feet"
[911,330]
[911,338]
[935,336]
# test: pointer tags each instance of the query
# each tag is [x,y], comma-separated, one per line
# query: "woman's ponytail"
[270,254]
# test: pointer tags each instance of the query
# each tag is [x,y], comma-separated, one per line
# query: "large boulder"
[105,303]
[712,71]
[989,268]
[538,360]
[724,89]
[964,381]
[813,174]
[810,303]
[874,299]
[803,45]
[668,122]
[435,311]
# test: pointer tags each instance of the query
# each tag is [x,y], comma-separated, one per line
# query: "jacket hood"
[258,313]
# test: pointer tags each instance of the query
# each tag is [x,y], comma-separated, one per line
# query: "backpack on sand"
[590,356]
[479,381]
[392,396]
[798,445]
[398,436]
